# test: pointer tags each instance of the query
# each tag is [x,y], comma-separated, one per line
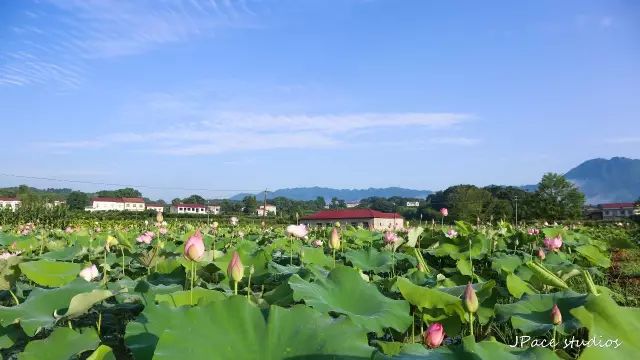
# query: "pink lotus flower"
[533,231]
[451,233]
[235,270]
[299,231]
[89,273]
[317,243]
[68,230]
[556,316]
[553,244]
[194,247]
[163,231]
[444,212]
[434,335]
[541,254]
[146,237]
[390,237]
[8,255]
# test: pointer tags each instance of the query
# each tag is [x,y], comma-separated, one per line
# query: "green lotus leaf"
[316,256]
[506,263]
[64,254]
[413,235]
[50,273]
[37,310]
[370,260]
[345,292]
[532,314]
[8,273]
[235,329]
[103,352]
[81,303]
[200,296]
[63,343]
[608,321]
[10,335]
[594,255]
[517,287]
[464,266]
[470,350]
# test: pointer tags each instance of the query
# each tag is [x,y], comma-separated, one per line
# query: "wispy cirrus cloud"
[56,41]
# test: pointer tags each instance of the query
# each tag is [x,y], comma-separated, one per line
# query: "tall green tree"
[77,200]
[249,204]
[194,199]
[557,198]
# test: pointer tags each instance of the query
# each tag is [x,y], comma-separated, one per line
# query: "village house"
[214,209]
[367,218]
[188,209]
[11,202]
[271,209]
[116,204]
[155,207]
[615,211]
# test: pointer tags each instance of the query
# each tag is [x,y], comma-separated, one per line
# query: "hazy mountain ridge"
[311,193]
[607,180]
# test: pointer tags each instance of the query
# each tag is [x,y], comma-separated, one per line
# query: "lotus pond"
[129,290]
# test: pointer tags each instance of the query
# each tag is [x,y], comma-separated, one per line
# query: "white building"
[11,202]
[155,207]
[270,209]
[413,203]
[188,209]
[367,218]
[213,209]
[116,204]
[352,204]
[617,211]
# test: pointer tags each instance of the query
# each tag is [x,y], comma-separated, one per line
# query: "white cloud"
[462,141]
[58,51]
[624,140]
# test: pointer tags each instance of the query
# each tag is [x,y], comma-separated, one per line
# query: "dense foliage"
[170,289]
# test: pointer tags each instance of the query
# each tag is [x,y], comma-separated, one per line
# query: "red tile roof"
[617,205]
[190,205]
[154,205]
[351,214]
[133,200]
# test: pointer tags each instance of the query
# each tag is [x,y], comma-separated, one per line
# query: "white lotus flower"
[299,231]
[89,273]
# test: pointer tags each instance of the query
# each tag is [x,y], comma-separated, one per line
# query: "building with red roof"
[613,211]
[367,218]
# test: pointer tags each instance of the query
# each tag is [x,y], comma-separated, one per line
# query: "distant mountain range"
[348,195]
[602,180]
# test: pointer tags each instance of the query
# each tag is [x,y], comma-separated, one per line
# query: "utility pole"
[264,209]
[516,200]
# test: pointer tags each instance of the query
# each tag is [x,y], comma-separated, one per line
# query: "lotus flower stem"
[235,288]
[249,286]
[554,337]
[15,298]
[291,252]
[413,327]
[193,276]
[122,251]
[471,323]
[334,258]
[99,325]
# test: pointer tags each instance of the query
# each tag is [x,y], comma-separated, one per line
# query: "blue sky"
[226,95]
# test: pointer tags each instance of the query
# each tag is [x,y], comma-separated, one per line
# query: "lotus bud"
[470,299]
[194,247]
[235,270]
[541,254]
[434,335]
[334,241]
[556,316]
[337,224]
[444,212]
[214,225]
[159,217]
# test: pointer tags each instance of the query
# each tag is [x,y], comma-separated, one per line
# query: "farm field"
[157,290]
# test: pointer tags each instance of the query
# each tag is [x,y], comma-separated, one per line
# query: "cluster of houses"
[612,211]
[138,204]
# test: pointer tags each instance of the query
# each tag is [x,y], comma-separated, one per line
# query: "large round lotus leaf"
[608,321]
[63,343]
[103,352]
[431,298]
[81,303]
[315,256]
[37,310]
[50,273]
[594,255]
[370,260]
[345,292]
[532,314]
[200,296]
[506,263]
[235,329]
[518,287]
[8,273]
[470,350]
[65,254]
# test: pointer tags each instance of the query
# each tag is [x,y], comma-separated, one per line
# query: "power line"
[128,185]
